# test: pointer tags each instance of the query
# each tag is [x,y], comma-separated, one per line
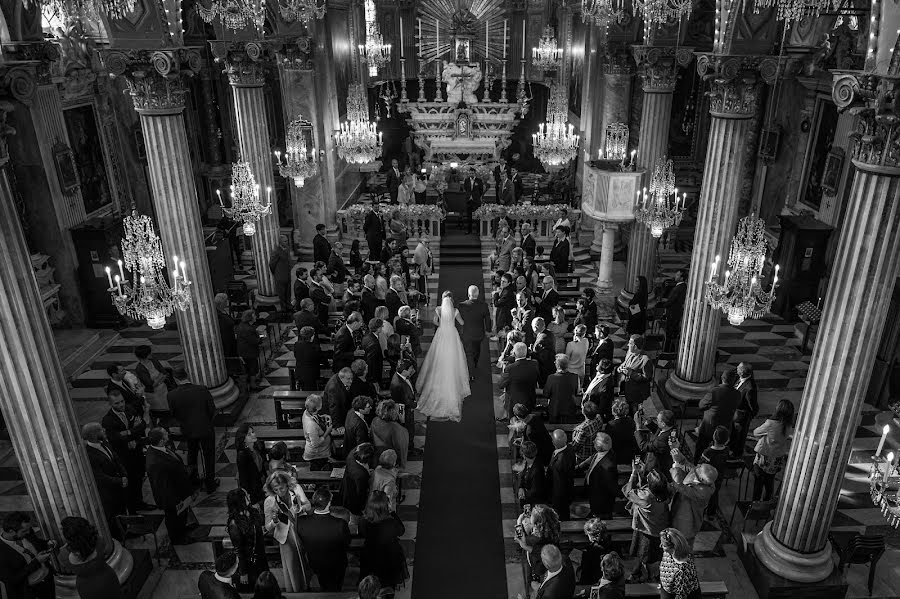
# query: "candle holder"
[422,97]
[503,99]
[403,97]
[884,484]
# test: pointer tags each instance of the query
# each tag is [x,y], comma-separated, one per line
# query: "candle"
[727,274]
[119,284]
[183,273]
[715,268]
[401,34]
[819,304]
[504,39]
[775,278]
[121,272]
[523,39]
[888,465]
[175,261]
[109,276]
[884,433]
[219,195]
[175,279]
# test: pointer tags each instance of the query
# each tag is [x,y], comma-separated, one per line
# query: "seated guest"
[385,478]
[109,474]
[559,327]
[326,539]
[94,578]
[345,350]
[245,529]
[718,407]
[219,585]
[561,474]
[561,390]
[559,581]
[248,343]
[650,516]
[534,529]
[520,379]
[592,557]
[542,349]
[355,484]
[604,348]
[602,389]
[382,554]
[531,481]
[336,396]
[654,447]
[692,487]
[677,571]
[317,434]
[576,351]
[356,426]
[306,316]
[584,434]
[621,429]
[406,326]
[534,429]
[307,359]
[285,502]
[251,463]
[374,356]
[601,476]
[170,484]
[636,371]
[388,432]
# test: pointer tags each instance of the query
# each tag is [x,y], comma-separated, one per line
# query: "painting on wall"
[338,19]
[66,171]
[85,140]
[576,67]
[826,119]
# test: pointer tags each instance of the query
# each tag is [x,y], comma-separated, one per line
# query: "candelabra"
[602,12]
[357,141]
[548,55]
[522,98]
[741,295]
[235,14]
[794,10]
[302,10]
[246,207]
[298,164]
[374,52]
[616,142]
[556,143]
[655,209]
[884,486]
[89,10]
[147,296]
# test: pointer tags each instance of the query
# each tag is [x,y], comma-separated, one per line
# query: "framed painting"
[90,163]
[821,139]
[66,171]
[834,164]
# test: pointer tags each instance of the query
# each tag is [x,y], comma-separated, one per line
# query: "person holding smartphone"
[25,560]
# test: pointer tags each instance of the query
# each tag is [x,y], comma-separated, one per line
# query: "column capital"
[875,146]
[618,61]
[154,77]
[734,82]
[658,66]
[33,60]
[296,54]
[246,63]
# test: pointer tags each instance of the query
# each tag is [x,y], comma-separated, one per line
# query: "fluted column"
[867,263]
[35,401]
[157,88]
[658,68]
[246,69]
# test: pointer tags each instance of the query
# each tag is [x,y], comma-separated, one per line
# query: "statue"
[462,81]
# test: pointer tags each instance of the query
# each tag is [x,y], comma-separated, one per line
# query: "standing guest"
[319,294]
[226,325]
[563,221]
[559,254]
[403,392]
[280,267]
[548,299]
[604,348]
[531,482]
[516,266]
[424,262]
[285,502]
[587,310]
[193,407]
[542,349]
[356,261]
[677,571]
[534,429]
[559,581]
[420,188]
[636,372]
[368,300]
[345,350]
[336,396]
[321,245]
[248,342]
[516,179]
[317,433]
[592,557]
[522,285]
[601,476]
[397,231]
[772,445]
[405,191]
[504,301]
[307,359]
[601,389]
[335,268]
[266,587]
[381,284]
[373,229]
[24,560]
[395,297]
[326,539]
[306,316]
[474,189]
[561,475]
[360,384]
[505,245]
[527,243]
[691,487]
[520,379]
[251,462]
[532,278]
[674,305]
[301,285]
[387,326]
[374,355]
[500,171]
[654,447]
[356,426]
[278,455]
[127,435]
[576,351]
[506,194]
[153,376]
[133,398]
[245,529]
[382,554]
[716,455]
[612,584]
[559,327]
[389,432]
[109,473]
[170,484]
[535,528]
[746,410]
[355,484]
[407,325]
[621,429]
[561,390]
[637,308]
[385,478]
[394,177]
[94,578]
[650,516]
[718,407]
[584,434]
[476,323]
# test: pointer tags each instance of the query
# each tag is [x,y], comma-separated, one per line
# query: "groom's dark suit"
[476,322]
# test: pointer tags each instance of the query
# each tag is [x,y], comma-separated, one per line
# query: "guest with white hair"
[520,379]
[601,476]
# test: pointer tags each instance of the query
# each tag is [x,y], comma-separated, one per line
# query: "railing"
[350,226]
[541,224]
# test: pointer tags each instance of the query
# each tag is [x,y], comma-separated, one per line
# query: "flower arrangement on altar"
[521,211]
[357,212]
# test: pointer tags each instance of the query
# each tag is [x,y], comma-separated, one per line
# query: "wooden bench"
[293,438]
[714,589]
[567,282]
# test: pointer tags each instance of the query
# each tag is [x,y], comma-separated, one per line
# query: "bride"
[443,382]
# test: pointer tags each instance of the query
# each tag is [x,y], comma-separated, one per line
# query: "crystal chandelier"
[299,164]
[88,10]
[235,14]
[357,141]
[302,10]
[548,55]
[794,10]
[741,296]
[147,296]
[374,52]
[246,206]
[602,12]
[655,209]
[662,12]
[555,143]
[884,482]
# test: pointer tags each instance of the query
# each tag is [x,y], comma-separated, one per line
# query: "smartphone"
[520,530]
[401,409]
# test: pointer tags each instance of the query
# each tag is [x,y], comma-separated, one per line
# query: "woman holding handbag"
[286,501]
[637,308]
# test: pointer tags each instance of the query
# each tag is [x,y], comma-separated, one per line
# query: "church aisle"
[459,545]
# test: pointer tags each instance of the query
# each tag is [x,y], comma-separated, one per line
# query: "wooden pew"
[713,589]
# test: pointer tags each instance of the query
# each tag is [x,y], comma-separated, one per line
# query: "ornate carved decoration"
[658,66]
[5,131]
[39,56]
[296,54]
[618,61]
[154,78]
[875,145]
[246,63]
[734,80]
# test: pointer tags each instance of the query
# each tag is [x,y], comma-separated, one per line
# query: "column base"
[624,297]
[120,560]
[789,564]
[266,300]
[225,394]
[687,390]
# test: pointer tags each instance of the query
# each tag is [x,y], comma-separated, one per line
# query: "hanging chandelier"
[794,10]
[299,164]
[662,12]
[602,12]
[246,207]
[374,52]
[740,295]
[235,14]
[88,10]
[556,143]
[548,55]
[302,10]
[147,296]
[654,208]
[884,481]
[357,141]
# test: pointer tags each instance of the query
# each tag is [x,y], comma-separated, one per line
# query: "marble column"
[658,69]
[607,247]
[35,401]
[157,89]
[867,263]
[733,98]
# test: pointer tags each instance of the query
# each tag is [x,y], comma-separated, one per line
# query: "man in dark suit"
[394,179]
[307,359]
[601,476]
[403,392]
[559,582]
[336,269]
[405,326]
[395,297]
[345,350]
[520,379]
[474,189]
[518,186]
[301,287]
[528,244]
[559,254]
[321,245]
[306,316]
[355,484]
[505,191]
[226,327]
[674,305]
[326,539]
[654,446]
[560,389]
[318,295]
[373,229]
[531,482]
[561,475]
[500,171]
[548,300]
[193,407]
[280,267]
[523,317]
[356,429]
[24,560]
[219,585]
[718,408]
[476,322]
[133,400]
[171,485]
[374,354]
[127,434]
[368,301]
[542,349]
[109,473]
[337,396]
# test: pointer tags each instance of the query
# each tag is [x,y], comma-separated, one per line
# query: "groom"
[476,321]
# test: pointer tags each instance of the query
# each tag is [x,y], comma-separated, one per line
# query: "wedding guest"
[126,433]
[559,327]
[374,356]
[407,325]
[504,301]
[677,571]
[586,310]
[561,475]
[592,556]
[576,351]
[133,395]
[336,396]
[636,371]
[317,433]
[389,432]
[355,484]
[25,560]
[534,429]
[561,251]
[601,477]
[266,587]
[650,516]
[356,260]
[674,305]
[601,389]
[637,308]
[170,484]
[612,583]
[278,460]
[368,299]
[559,581]
[325,539]
[301,285]
[604,348]
[335,268]
[193,408]
[536,528]
[245,529]
[531,482]
[306,316]
[285,501]
[505,246]
[356,427]
[548,300]
[561,390]
[772,445]
[532,277]
[691,487]
[387,326]
[280,267]
[220,584]
[154,377]
[382,554]
[403,392]
[654,446]
[542,349]
[520,378]
[527,243]
[109,474]
[94,578]
[385,478]
[307,359]
[321,245]
[584,434]
[251,463]
[716,455]
[746,410]
[248,342]
[718,407]
[621,429]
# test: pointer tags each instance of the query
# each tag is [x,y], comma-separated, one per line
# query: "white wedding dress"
[443,381]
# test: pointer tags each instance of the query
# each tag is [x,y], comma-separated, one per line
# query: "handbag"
[634,308]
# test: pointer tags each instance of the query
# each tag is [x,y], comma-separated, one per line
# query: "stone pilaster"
[34,398]
[155,81]
[618,72]
[867,262]
[658,68]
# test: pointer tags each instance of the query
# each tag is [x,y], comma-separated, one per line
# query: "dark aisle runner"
[459,541]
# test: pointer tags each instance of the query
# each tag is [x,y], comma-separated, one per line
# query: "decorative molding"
[618,61]
[296,54]
[38,57]
[734,80]
[875,145]
[658,66]
[247,63]
[154,78]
